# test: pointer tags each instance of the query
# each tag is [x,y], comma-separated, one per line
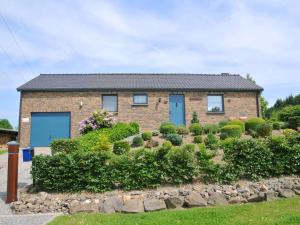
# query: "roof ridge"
[86,74]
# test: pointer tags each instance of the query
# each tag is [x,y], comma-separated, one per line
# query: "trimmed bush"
[237,122]
[121,147]
[103,144]
[223,123]
[210,128]
[211,141]
[276,125]
[198,139]
[252,124]
[294,122]
[195,118]
[231,131]
[64,146]
[146,136]
[182,130]
[167,128]
[175,139]
[264,129]
[195,128]
[137,141]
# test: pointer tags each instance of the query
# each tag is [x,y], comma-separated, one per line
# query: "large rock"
[236,200]
[154,204]
[286,193]
[134,205]
[112,204]
[217,199]
[271,195]
[194,200]
[174,202]
[257,197]
[42,195]
[87,208]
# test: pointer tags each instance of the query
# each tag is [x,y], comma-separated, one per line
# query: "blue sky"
[256,37]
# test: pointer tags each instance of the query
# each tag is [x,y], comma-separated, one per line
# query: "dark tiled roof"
[136,81]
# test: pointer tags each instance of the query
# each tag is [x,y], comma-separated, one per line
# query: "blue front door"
[176,112]
[45,127]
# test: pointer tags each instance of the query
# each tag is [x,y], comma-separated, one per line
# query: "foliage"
[182,130]
[167,128]
[135,127]
[198,139]
[230,131]
[195,128]
[155,133]
[263,106]
[281,103]
[211,141]
[151,143]
[264,129]
[175,139]
[97,121]
[103,144]
[237,122]
[116,133]
[223,123]
[195,118]
[251,124]
[64,146]
[147,136]
[294,122]
[189,147]
[4,123]
[289,132]
[137,141]
[287,112]
[121,147]
[276,125]
[210,128]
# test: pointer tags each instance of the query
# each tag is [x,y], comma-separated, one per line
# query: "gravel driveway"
[6,216]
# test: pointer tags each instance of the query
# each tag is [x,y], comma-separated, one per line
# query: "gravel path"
[6,215]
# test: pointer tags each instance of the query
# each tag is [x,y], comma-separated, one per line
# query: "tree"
[248,77]
[4,123]
[263,106]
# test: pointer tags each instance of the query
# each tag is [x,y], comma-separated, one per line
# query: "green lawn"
[283,211]
[3,151]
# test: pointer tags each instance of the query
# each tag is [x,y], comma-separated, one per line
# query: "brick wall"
[237,104]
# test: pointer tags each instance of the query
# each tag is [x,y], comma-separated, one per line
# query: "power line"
[17,43]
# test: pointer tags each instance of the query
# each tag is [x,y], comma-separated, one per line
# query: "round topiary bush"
[195,128]
[137,141]
[198,139]
[237,122]
[294,122]
[210,128]
[182,130]
[121,147]
[252,124]
[147,136]
[264,129]
[167,128]
[231,131]
[175,139]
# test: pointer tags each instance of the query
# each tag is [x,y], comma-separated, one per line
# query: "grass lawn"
[282,211]
[3,151]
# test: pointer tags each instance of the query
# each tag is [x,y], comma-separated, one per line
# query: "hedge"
[231,131]
[294,122]
[65,146]
[237,122]
[251,124]
[210,128]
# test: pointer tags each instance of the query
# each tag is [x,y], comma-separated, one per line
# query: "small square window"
[110,103]
[140,99]
[215,103]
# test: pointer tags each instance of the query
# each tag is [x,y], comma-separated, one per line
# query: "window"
[215,103]
[140,99]
[110,103]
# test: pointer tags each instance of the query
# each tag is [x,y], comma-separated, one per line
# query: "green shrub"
[121,147]
[294,122]
[137,141]
[195,128]
[237,122]
[135,127]
[289,132]
[146,136]
[288,111]
[182,130]
[155,133]
[195,118]
[210,128]
[264,129]
[64,146]
[103,144]
[175,139]
[230,131]
[198,139]
[211,141]
[167,145]
[223,123]
[189,147]
[252,123]
[276,125]
[167,128]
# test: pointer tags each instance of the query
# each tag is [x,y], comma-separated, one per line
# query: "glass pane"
[140,99]
[215,103]
[110,103]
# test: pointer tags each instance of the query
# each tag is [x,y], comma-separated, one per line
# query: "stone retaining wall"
[187,196]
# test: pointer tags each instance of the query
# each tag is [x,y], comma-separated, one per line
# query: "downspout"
[257,104]
[20,111]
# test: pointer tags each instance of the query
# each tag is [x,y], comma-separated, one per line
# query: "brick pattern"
[237,104]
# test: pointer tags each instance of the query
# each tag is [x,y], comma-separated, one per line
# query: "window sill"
[215,113]
[139,105]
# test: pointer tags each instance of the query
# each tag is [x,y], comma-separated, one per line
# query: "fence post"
[12,171]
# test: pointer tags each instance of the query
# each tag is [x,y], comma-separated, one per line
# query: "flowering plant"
[98,120]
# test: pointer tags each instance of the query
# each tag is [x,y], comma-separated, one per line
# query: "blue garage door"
[45,127]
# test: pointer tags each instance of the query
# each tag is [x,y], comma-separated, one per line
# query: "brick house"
[7,135]
[52,105]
